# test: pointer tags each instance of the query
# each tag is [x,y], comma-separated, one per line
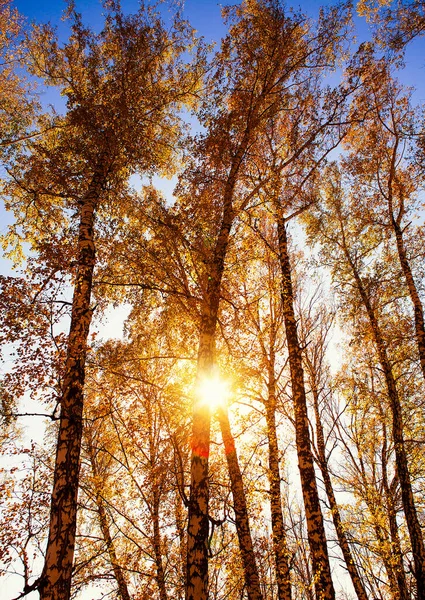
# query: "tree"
[258,340]
[336,230]
[77,171]
[380,164]
[315,327]
[397,23]
[259,72]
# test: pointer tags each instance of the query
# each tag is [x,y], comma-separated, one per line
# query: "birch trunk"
[413,525]
[392,519]
[395,221]
[413,292]
[181,531]
[246,547]
[198,526]
[55,581]
[123,592]
[157,545]
[315,527]
[280,546]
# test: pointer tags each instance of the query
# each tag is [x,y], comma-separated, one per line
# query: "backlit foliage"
[253,427]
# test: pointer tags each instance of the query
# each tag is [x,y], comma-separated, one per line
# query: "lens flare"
[213,391]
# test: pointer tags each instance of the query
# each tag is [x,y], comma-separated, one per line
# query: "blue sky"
[205,17]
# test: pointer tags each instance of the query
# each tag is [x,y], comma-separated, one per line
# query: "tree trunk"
[181,531]
[315,526]
[160,574]
[392,519]
[336,516]
[415,532]
[280,546]
[246,547]
[55,581]
[197,528]
[404,262]
[413,292]
[123,592]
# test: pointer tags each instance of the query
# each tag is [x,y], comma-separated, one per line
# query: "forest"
[248,215]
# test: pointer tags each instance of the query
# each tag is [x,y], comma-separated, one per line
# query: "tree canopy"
[253,427]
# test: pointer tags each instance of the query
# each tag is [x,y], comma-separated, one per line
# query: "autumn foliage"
[253,427]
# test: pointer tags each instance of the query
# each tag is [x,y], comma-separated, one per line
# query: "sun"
[213,391]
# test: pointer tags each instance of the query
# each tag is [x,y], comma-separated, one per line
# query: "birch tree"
[122,88]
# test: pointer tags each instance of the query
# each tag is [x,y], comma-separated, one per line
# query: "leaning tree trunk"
[413,292]
[314,518]
[413,525]
[55,581]
[333,505]
[123,592]
[280,546]
[246,548]
[197,529]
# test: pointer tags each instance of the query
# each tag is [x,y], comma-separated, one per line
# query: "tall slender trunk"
[336,516]
[413,292]
[404,262]
[246,547]
[123,592]
[55,581]
[157,545]
[392,518]
[280,546]
[157,481]
[315,526]
[197,528]
[180,525]
[415,532]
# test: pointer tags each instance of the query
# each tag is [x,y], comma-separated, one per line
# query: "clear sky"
[205,17]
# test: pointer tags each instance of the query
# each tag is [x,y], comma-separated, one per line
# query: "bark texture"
[413,525]
[315,527]
[55,581]
[280,546]
[336,516]
[123,592]
[246,547]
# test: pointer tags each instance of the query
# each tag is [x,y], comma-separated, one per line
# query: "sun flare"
[213,391]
